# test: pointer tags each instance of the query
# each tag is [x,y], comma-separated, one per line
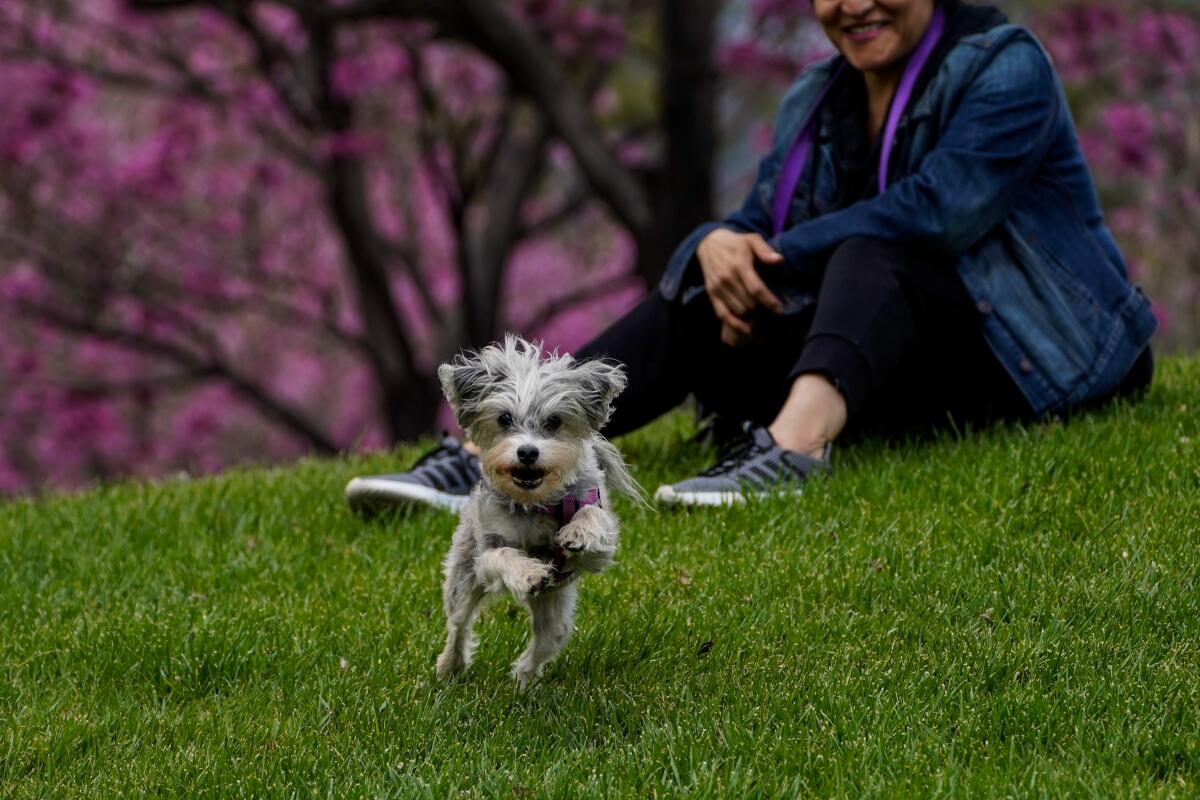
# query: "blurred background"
[237,231]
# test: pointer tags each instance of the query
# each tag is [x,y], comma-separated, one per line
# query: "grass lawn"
[1013,613]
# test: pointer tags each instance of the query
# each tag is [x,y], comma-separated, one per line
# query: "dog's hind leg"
[553,624]
[461,596]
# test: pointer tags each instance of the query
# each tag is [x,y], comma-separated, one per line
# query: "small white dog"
[537,519]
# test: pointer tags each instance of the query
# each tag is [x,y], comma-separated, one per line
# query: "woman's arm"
[750,218]
[965,186]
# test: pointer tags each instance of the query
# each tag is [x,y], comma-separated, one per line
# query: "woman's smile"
[866,32]
[875,36]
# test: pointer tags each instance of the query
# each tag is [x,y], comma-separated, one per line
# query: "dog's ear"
[601,381]
[464,380]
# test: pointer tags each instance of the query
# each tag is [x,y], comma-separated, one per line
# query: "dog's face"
[529,412]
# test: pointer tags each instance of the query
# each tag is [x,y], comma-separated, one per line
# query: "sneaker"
[443,477]
[723,433]
[757,467]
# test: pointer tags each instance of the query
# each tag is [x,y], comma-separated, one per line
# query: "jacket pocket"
[1050,316]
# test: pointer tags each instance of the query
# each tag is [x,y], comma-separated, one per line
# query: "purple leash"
[789,175]
[904,92]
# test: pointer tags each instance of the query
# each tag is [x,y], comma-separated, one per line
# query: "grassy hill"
[1014,612]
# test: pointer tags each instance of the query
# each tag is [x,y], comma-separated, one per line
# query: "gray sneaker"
[757,467]
[443,477]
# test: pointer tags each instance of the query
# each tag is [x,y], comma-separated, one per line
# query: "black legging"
[895,333]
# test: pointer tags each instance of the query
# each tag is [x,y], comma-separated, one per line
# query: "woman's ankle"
[800,442]
[811,418]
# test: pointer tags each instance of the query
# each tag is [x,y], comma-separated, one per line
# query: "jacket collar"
[844,117]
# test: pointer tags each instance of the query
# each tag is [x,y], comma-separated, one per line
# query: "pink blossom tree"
[1133,79]
[217,214]
[238,231]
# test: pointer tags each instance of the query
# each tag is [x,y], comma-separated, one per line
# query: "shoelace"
[734,458]
[448,447]
[448,451]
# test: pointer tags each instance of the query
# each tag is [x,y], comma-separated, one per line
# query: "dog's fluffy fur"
[536,417]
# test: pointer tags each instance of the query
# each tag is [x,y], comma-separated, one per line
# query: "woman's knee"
[863,257]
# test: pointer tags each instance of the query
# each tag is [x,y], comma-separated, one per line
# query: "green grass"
[1009,613]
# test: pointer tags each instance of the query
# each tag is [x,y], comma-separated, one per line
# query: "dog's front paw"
[574,538]
[532,577]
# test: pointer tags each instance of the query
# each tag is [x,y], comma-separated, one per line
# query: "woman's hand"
[727,261]
[734,338]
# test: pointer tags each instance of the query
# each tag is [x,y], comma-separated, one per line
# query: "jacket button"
[1026,366]
[984,307]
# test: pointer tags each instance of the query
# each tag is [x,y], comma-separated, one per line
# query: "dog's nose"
[527,454]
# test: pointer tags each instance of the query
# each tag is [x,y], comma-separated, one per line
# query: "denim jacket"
[988,175]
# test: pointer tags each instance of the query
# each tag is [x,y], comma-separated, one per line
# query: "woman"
[924,237]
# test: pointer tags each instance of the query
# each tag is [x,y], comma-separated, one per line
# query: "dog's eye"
[553,422]
[505,420]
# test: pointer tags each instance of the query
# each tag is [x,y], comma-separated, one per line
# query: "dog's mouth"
[527,478]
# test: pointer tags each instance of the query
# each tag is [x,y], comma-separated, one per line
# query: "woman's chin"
[874,56]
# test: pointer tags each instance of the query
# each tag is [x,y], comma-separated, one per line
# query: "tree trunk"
[684,193]
[404,410]
[408,398]
[519,160]
[411,406]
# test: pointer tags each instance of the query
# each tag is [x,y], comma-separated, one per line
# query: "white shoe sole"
[669,497]
[377,493]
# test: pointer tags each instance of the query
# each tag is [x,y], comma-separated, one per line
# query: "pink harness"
[564,511]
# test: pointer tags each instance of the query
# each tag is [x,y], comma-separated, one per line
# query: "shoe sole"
[374,494]
[669,497]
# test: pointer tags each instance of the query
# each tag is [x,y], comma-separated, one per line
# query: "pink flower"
[22,363]
[11,480]
[23,284]
[1163,314]
[1131,128]
[350,144]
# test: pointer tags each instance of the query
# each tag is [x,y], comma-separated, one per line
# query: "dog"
[538,519]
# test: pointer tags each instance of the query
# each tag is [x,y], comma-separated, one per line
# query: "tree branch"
[173,381]
[487,26]
[272,407]
[571,300]
[345,181]
[526,60]
[273,62]
[575,202]
[518,163]
[450,186]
